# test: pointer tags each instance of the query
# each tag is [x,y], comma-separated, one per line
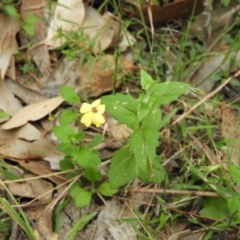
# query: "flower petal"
[87,119]
[101,109]
[96,103]
[86,107]
[98,119]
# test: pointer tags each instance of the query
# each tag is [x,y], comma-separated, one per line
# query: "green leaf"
[69,95]
[80,224]
[234,173]
[67,148]
[233,206]
[64,133]
[11,11]
[67,116]
[143,143]
[146,80]
[122,168]
[105,190]
[96,140]
[94,159]
[153,120]
[123,108]
[66,164]
[81,196]
[92,174]
[157,173]
[214,208]
[167,92]
[31,19]
[4,114]
[82,156]
[145,105]
[28,28]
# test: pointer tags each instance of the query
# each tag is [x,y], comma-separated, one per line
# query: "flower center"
[94,109]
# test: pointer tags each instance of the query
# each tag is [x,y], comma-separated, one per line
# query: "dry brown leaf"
[9,27]
[230,130]
[40,53]
[97,29]
[21,149]
[27,132]
[98,78]
[32,188]
[172,10]
[26,94]
[200,78]
[44,223]
[33,112]
[64,74]
[8,103]
[188,235]
[106,226]
[68,16]
[118,131]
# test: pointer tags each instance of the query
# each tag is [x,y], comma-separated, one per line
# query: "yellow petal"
[87,119]
[96,103]
[98,119]
[101,109]
[85,108]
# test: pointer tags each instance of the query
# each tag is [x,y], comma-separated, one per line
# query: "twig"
[211,94]
[174,192]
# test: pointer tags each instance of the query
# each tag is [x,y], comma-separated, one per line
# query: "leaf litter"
[24,138]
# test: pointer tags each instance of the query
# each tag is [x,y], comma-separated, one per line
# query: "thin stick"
[174,192]
[211,94]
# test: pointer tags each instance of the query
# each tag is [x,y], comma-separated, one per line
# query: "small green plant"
[27,24]
[137,158]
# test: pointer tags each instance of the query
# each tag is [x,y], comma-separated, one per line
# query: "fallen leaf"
[68,16]
[106,226]
[21,149]
[34,188]
[27,132]
[26,94]
[33,112]
[211,65]
[97,29]
[99,77]
[40,55]
[9,26]
[230,130]
[44,223]
[169,11]
[8,102]
[118,131]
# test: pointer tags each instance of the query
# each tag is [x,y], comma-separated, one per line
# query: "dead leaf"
[40,53]
[231,132]
[98,78]
[26,94]
[44,223]
[188,235]
[118,131]
[33,112]
[21,149]
[97,29]
[108,226]
[34,188]
[201,77]
[27,132]
[68,16]
[9,26]
[8,102]
[170,11]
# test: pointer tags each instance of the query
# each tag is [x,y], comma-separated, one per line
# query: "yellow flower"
[93,113]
